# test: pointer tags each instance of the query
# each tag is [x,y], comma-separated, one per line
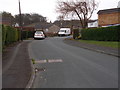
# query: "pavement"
[16,63]
[16,66]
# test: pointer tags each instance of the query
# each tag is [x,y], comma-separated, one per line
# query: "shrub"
[75,33]
[9,35]
[27,34]
[30,34]
[3,34]
[101,34]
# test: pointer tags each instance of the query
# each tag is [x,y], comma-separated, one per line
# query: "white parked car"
[39,35]
[64,32]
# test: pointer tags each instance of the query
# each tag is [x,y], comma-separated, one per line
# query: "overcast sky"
[46,8]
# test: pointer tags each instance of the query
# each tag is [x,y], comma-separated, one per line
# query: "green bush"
[9,35]
[101,34]
[1,38]
[27,34]
[30,34]
[3,34]
[75,33]
[24,34]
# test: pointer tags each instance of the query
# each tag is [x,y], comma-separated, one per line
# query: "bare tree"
[82,8]
[60,18]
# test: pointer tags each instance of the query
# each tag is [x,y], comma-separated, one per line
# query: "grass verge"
[112,44]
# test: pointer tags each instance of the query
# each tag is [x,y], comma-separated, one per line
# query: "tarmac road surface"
[60,65]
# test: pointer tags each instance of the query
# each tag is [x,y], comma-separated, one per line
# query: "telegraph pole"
[20,21]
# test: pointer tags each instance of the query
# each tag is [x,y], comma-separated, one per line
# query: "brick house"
[108,17]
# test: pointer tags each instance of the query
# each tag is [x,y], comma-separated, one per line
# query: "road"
[64,66]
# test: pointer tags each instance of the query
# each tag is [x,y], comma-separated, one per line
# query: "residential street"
[60,44]
[61,65]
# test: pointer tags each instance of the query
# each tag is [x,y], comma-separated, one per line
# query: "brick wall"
[108,19]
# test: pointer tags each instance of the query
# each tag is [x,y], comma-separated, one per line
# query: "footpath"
[16,66]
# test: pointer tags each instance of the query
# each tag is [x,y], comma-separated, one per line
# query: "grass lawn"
[103,43]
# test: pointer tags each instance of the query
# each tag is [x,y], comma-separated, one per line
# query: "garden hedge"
[101,34]
[27,34]
[75,33]
[9,35]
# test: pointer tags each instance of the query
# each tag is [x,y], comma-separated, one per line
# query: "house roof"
[31,25]
[67,23]
[91,21]
[43,25]
[107,11]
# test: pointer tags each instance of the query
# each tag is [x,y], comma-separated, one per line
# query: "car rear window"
[39,32]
